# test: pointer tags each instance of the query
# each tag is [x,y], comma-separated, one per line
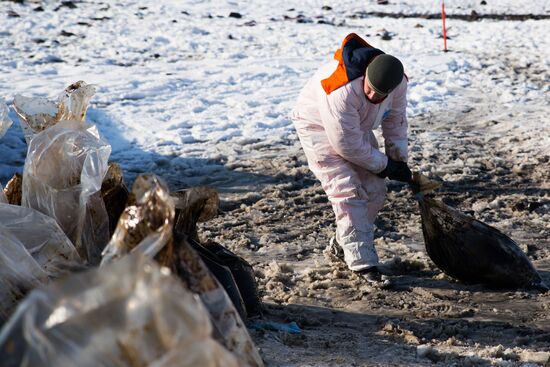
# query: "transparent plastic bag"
[3,198]
[5,121]
[128,313]
[199,204]
[62,178]
[473,252]
[38,113]
[146,223]
[146,226]
[228,325]
[74,101]
[467,249]
[33,250]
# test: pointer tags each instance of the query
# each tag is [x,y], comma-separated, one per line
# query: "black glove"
[395,170]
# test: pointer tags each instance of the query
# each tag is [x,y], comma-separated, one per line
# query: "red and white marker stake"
[444,28]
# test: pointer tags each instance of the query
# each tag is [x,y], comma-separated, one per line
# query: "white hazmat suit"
[336,133]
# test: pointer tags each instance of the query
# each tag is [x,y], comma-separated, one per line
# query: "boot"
[374,277]
[358,248]
[371,274]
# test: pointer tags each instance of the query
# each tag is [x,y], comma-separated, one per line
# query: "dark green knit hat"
[385,73]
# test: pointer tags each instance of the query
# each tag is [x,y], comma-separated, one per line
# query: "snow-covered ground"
[201,97]
[184,88]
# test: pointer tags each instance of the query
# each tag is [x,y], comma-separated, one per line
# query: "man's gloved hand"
[395,170]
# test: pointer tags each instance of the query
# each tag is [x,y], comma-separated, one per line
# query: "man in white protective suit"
[335,115]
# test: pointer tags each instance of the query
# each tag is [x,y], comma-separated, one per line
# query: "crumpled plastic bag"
[3,198]
[474,252]
[38,113]
[146,223]
[64,169]
[33,250]
[128,313]
[196,204]
[228,326]
[5,121]
[145,227]
[199,204]
[467,249]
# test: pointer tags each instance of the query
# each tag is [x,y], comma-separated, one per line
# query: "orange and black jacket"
[353,57]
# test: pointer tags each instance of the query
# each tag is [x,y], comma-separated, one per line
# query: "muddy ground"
[493,164]
[491,167]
